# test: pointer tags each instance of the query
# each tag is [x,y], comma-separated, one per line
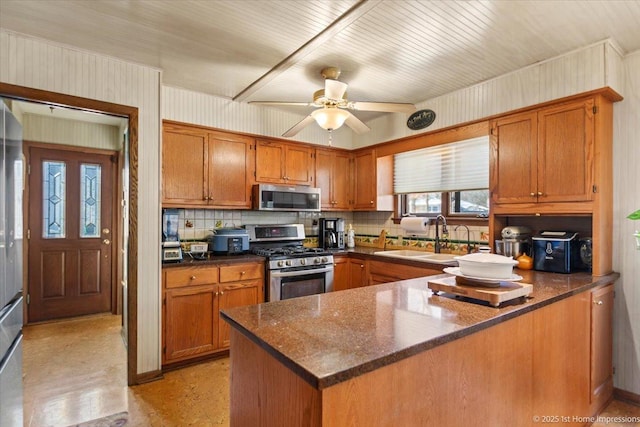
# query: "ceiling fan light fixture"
[330,118]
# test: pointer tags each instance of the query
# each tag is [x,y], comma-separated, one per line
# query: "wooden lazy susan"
[495,292]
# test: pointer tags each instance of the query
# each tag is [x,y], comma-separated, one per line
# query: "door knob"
[106,241]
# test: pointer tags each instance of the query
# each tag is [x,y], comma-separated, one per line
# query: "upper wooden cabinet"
[544,156]
[282,163]
[206,168]
[333,177]
[373,181]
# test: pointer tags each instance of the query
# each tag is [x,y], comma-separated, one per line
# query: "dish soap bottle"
[351,237]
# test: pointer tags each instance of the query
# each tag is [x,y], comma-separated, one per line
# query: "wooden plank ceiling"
[388,50]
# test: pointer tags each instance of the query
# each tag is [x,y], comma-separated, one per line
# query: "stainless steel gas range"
[292,270]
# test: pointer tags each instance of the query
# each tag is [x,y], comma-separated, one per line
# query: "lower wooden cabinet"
[358,275]
[601,347]
[572,355]
[385,272]
[352,272]
[192,300]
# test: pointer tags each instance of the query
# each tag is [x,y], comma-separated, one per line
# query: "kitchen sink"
[420,256]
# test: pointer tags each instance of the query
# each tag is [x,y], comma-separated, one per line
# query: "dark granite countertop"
[330,338]
[213,260]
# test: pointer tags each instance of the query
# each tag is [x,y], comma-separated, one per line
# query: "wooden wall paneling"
[88,80]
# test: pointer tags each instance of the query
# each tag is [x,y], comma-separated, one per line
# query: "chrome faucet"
[468,236]
[444,232]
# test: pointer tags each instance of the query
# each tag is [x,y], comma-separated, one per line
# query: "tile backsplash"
[197,224]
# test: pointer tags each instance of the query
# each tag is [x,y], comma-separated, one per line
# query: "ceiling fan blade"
[299,104]
[298,126]
[356,124]
[334,89]
[387,107]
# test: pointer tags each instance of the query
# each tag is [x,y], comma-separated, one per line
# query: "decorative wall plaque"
[421,119]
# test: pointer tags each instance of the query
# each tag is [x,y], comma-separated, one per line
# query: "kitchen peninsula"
[396,354]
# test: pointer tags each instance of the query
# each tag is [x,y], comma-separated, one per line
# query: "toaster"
[556,251]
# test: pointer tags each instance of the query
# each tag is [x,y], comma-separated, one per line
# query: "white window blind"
[458,166]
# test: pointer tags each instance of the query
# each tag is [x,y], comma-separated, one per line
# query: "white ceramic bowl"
[489,266]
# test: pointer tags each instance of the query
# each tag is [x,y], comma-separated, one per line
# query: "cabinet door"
[513,159]
[324,177]
[230,170]
[184,166]
[601,346]
[269,162]
[298,167]
[357,273]
[364,180]
[342,183]
[189,328]
[385,272]
[565,153]
[235,295]
[341,273]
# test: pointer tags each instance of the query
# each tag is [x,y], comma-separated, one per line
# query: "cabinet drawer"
[179,277]
[234,273]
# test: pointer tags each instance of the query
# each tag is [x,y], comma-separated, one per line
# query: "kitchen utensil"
[490,266]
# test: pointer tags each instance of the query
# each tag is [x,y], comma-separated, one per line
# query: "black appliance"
[292,270]
[331,233]
[556,251]
[11,239]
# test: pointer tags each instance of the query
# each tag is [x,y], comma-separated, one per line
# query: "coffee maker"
[331,233]
[171,249]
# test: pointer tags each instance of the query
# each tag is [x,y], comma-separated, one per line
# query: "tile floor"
[75,371]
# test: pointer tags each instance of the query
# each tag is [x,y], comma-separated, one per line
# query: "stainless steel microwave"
[268,197]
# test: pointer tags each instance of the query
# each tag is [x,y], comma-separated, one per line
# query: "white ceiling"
[388,50]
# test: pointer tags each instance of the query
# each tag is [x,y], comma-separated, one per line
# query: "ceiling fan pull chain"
[330,137]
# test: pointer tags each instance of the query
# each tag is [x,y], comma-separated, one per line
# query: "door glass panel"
[89,200]
[53,205]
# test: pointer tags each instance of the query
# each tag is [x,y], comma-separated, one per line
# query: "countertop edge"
[341,376]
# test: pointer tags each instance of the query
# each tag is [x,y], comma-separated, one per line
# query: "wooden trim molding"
[60,99]
[626,396]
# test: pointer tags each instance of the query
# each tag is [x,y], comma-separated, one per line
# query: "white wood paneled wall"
[585,69]
[206,110]
[626,259]
[44,65]
[70,132]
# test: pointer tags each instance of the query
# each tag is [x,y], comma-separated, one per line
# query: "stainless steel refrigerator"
[11,191]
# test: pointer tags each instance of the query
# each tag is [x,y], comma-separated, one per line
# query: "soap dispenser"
[351,237]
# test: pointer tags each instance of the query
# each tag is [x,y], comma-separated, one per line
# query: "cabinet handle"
[539,193]
[242,273]
[533,194]
[598,302]
[371,202]
[193,277]
[221,292]
[361,265]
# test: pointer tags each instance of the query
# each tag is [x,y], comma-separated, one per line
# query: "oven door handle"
[301,272]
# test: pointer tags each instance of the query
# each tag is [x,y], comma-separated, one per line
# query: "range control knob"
[316,260]
[280,263]
[303,261]
[288,262]
[325,259]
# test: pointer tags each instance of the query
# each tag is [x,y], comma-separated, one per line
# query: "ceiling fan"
[332,105]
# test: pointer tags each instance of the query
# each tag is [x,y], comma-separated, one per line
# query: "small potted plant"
[636,216]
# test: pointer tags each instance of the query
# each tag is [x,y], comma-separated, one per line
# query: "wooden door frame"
[116,219]
[58,99]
